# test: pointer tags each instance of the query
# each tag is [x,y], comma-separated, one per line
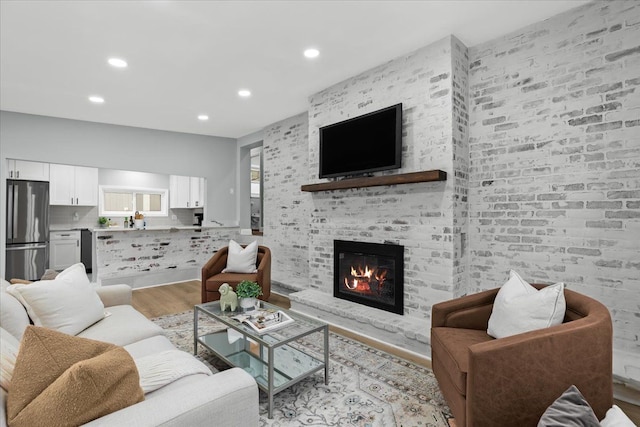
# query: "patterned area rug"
[367,387]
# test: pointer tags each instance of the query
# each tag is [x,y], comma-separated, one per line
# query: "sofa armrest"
[467,312]
[114,295]
[228,398]
[516,378]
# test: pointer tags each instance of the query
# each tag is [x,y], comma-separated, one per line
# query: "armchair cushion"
[519,307]
[452,350]
[241,260]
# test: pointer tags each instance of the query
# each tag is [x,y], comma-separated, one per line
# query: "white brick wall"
[554,186]
[418,216]
[541,143]
[286,208]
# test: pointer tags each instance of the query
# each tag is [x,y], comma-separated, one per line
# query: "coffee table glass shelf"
[268,357]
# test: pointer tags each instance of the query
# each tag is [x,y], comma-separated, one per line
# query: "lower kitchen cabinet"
[64,249]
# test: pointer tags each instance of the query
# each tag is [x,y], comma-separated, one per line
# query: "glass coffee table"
[269,357]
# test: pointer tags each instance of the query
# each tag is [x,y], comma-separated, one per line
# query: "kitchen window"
[125,201]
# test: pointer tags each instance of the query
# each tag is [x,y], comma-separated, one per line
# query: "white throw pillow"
[616,418]
[77,273]
[241,260]
[519,307]
[63,304]
[9,347]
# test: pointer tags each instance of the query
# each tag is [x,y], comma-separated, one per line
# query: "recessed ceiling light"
[203,117]
[311,53]
[96,99]
[245,93]
[117,62]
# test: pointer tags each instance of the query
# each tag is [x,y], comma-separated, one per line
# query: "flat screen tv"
[368,143]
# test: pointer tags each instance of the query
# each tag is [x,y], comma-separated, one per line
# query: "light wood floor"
[179,297]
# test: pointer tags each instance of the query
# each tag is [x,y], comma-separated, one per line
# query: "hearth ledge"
[406,332]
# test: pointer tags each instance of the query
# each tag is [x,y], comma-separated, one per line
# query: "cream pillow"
[9,347]
[77,273]
[615,417]
[241,260]
[519,307]
[67,304]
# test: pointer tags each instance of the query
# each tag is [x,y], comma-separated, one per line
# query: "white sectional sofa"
[228,398]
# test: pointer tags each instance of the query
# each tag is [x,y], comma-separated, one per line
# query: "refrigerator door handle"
[10,209]
[21,248]
[14,234]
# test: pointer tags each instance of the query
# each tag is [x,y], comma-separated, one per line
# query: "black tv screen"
[368,143]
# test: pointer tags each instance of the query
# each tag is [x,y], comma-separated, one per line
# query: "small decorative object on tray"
[264,320]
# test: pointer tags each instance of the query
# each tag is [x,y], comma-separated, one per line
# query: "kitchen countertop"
[161,228]
[67,228]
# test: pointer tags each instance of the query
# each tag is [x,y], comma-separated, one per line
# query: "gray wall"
[53,140]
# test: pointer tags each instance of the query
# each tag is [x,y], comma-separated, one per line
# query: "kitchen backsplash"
[87,217]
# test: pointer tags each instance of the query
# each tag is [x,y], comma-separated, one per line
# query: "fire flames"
[360,280]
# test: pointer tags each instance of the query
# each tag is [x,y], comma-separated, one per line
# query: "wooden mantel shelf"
[375,181]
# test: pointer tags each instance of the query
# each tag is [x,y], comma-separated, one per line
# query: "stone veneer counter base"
[155,255]
[406,332]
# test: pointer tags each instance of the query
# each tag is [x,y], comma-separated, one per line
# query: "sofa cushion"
[452,350]
[64,380]
[241,260]
[67,304]
[149,346]
[569,410]
[124,325]
[154,345]
[13,315]
[520,307]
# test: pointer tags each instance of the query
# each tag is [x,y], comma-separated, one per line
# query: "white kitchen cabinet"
[73,185]
[186,191]
[22,169]
[64,249]
[196,191]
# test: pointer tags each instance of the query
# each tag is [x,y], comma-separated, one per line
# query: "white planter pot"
[247,303]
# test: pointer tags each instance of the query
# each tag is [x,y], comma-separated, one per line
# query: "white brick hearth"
[406,332]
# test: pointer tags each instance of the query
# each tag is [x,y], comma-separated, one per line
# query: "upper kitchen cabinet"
[32,171]
[73,185]
[186,191]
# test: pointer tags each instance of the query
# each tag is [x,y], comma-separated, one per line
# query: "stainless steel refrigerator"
[27,229]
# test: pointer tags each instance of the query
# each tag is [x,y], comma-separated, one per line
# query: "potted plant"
[103,221]
[248,292]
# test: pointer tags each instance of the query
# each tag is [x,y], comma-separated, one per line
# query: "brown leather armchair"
[213,277]
[512,380]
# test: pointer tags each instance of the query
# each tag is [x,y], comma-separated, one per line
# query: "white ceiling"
[191,57]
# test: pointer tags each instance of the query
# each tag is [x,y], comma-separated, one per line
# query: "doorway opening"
[256,180]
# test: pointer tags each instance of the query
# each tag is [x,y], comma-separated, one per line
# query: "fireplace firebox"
[369,273]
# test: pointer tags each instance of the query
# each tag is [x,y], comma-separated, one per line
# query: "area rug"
[367,387]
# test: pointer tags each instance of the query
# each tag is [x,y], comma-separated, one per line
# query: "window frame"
[164,200]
